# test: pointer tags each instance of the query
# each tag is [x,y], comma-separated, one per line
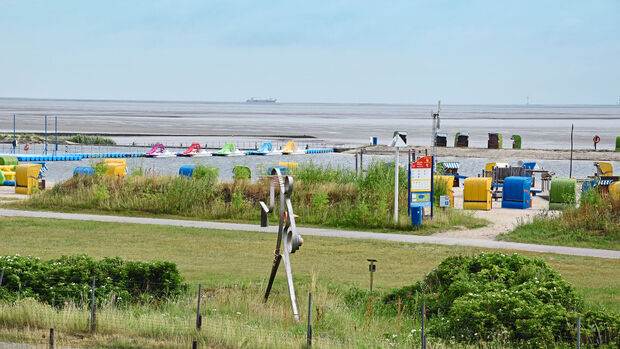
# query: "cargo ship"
[260,100]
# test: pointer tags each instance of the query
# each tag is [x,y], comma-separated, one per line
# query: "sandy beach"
[538,154]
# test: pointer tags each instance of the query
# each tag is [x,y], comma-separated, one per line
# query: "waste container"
[416,215]
[374,140]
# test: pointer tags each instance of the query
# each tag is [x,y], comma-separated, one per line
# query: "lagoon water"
[61,170]
[541,126]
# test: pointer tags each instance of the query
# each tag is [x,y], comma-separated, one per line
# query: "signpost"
[421,185]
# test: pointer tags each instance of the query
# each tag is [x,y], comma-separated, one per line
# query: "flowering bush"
[511,297]
[69,279]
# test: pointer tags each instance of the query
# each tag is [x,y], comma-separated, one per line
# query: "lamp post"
[371,268]
[399,140]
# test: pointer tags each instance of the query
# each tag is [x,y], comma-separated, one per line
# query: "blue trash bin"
[375,140]
[416,215]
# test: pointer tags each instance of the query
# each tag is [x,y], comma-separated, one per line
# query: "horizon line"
[329,103]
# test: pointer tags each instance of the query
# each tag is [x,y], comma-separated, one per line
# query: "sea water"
[540,126]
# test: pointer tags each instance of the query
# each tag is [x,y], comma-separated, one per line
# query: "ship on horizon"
[261,100]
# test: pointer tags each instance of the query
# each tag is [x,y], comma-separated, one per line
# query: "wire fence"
[66,315]
[74,313]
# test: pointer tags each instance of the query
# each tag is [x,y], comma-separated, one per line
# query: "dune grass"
[232,267]
[322,196]
[594,223]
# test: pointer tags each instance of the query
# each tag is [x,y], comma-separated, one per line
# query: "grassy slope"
[542,231]
[323,197]
[213,256]
[594,223]
[233,267]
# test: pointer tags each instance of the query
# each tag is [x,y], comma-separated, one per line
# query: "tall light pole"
[399,140]
[436,126]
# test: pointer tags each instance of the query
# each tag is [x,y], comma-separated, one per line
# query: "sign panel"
[420,184]
[444,201]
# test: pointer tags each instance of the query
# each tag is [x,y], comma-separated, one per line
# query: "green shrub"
[69,279]
[493,295]
[83,139]
[206,173]
[241,172]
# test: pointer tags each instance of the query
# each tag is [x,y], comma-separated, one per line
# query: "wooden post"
[195,345]
[198,316]
[1,276]
[579,332]
[423,323]
[92,307]
[309,333]
[51,338]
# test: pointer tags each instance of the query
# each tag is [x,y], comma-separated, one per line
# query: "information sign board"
[421,184]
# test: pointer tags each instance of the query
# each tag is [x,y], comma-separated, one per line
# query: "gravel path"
[439,240]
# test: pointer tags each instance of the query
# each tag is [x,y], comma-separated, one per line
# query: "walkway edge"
[348,234]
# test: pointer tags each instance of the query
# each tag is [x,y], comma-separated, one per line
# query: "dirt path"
[502,220]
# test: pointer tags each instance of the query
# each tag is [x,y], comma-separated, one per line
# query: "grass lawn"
[542,231]
[233,267]
[594,223]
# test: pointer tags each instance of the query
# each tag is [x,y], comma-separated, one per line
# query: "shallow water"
[61,170]
[335,124]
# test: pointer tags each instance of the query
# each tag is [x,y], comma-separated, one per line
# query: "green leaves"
[69,279]
[510,297]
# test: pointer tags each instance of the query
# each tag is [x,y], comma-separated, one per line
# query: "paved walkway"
[438,240]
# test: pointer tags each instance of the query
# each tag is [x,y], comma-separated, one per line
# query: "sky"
[411,52]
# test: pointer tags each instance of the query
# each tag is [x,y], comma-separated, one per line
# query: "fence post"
[195,345]
[423,320]
[356,170]
[1,276]
[51,338]
[309,333]
[92,307]
[198,316]
[579,332]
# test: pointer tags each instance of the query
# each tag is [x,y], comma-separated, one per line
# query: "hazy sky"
[313,51]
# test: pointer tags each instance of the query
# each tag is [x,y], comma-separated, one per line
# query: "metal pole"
[309,333]
[356,168]
[362,161]
[92,307]
[578,332]
[14,138]
[56,131]
[198,316]
[572,127]
[195,345]
[1,276]
[45,134]
[396,185]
